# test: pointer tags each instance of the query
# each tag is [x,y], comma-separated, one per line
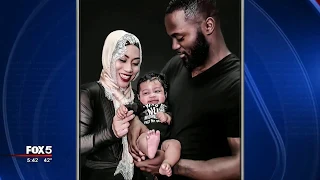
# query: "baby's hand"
[164,117]
[122,112]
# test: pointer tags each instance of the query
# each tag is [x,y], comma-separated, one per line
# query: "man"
[204,95]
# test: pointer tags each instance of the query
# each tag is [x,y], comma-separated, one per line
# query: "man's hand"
[164,117]
[151,165]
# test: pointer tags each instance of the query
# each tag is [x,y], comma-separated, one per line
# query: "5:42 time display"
[32,160]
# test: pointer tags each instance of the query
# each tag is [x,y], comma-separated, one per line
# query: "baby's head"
[152,89]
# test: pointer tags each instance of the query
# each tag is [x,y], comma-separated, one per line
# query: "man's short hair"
[192,8]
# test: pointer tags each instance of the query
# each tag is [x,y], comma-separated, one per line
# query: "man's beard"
[198,53]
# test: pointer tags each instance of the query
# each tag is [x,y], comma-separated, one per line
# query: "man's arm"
[224,168]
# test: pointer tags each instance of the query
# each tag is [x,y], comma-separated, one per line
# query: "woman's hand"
[120,126]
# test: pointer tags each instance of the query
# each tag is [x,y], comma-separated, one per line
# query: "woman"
[100,130]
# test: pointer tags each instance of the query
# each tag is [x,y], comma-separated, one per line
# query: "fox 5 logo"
[38,149]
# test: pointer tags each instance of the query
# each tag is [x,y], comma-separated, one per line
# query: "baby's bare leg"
[172,149]
[142,143]
[148,143]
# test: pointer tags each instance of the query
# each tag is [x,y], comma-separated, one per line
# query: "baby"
[152,111]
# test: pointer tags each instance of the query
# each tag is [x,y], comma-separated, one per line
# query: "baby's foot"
[165,169]
[153,140]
